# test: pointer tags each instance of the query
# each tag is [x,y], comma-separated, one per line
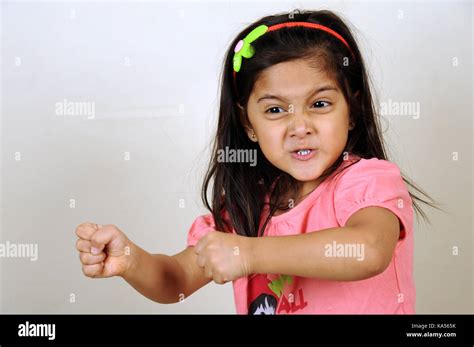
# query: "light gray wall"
[152,71]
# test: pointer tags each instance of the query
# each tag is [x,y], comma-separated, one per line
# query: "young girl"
[322,222]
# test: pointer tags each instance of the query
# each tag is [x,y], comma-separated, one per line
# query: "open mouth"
[304,154]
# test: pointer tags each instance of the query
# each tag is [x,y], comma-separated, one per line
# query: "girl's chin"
[306,175]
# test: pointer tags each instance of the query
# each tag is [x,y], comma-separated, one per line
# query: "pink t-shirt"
[356,184]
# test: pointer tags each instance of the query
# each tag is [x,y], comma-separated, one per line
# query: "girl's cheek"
[334,131]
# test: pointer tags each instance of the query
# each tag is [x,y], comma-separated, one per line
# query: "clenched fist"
[224,256]
[104,250]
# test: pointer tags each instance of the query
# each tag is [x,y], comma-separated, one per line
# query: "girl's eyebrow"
[317,91]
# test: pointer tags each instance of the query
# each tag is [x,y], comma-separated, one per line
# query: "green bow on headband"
[243,48]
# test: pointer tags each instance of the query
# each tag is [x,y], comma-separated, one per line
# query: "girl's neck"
[304,189]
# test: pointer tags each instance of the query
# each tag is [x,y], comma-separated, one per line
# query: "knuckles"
[89,259]
[88,271]
[83,228]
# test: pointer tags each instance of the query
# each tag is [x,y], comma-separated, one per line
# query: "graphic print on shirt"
[266,295]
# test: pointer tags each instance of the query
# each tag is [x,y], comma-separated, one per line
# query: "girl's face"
[296,106]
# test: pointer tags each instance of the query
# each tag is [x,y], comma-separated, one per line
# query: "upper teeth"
[304,151]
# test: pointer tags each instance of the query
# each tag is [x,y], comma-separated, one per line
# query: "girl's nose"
[301,126]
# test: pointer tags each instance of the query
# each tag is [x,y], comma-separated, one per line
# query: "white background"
[138,62]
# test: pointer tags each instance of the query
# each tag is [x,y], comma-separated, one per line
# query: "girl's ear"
[245,123]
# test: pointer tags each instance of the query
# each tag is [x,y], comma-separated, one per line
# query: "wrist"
[132,258]
[253,253]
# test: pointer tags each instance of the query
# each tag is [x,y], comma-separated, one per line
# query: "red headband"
[245,43]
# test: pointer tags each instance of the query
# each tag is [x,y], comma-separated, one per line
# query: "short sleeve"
[373,182]
[201,226]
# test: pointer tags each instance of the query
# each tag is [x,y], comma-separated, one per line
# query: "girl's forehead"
[291,74]
[288,81]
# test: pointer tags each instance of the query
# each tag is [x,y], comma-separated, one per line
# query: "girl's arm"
[371,234]
[162,278]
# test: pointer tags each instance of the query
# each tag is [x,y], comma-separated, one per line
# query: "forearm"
[317,255]
[156,276]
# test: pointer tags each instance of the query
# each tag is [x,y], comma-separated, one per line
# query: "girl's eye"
[274,109]
[319,102]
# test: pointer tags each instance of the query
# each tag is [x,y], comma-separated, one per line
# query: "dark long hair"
[239,189]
